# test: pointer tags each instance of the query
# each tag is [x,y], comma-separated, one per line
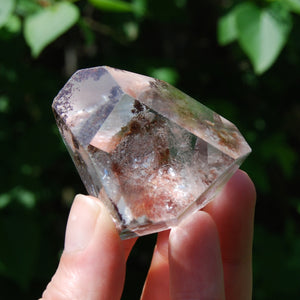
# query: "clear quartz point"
[150,152]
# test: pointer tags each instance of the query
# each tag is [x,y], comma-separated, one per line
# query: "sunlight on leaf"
[48,24]
[140,7]
[24,197]
[112,5]
[227,31]
[27,7]
[6,9]
[4,200]
[131,30]
[293,5]
[13,24]
[169,75]
[262,34]
[4,104]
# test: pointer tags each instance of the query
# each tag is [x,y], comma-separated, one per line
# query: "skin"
[208,256]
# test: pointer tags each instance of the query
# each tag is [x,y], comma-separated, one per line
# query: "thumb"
[92,265]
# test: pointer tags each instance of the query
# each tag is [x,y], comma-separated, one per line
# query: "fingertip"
[243,185]
[157,282]
[81,223]
[237,197]
[198,230]
[93,261]
[195,259]
[198,216]
[233,212]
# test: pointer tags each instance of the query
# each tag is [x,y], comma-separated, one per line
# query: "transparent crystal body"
[150,152]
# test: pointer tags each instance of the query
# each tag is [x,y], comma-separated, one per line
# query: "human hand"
[207,256]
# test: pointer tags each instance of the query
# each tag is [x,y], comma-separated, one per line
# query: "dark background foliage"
[175,41]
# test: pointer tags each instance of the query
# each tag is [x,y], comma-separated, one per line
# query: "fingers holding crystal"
[153,155]
[195,260]
[157,281]
[128,245]
[233,213]
[92,265]
[151,150]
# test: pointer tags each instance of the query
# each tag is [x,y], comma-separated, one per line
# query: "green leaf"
[13,24]
[5,199]
[47,25]
[262,33]
[169,75]
[6,9]
[24,197]
[112,5]
[27,7]
[131,30]
[227,31]
[293,5]
[4,104]
[139,7]
[88,33]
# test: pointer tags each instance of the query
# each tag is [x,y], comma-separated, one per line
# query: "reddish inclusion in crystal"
[149,151]
[143,200]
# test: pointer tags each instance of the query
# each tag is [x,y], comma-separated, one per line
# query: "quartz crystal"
[150,152]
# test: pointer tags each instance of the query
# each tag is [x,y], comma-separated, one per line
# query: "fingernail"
[81,223]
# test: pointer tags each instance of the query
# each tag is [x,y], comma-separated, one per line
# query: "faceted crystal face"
[151,153]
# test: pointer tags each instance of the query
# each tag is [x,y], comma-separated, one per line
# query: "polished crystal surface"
[150,152]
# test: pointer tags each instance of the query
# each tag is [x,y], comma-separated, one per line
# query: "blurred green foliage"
[181,41]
